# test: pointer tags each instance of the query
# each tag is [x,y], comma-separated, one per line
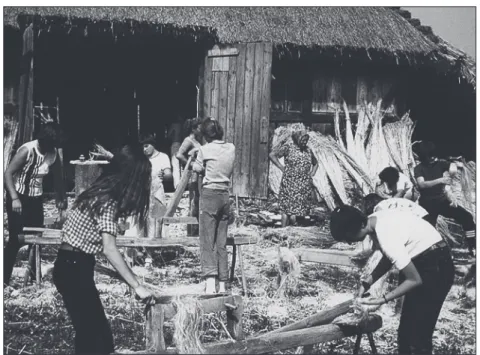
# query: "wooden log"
[242,271]
[155,340]
[209,303]
[272,342]
[321,318]
[235,320]
[231,88]
[328,256]
[217,52]
[38,265]
[54,238]
[31,260]
[234,260]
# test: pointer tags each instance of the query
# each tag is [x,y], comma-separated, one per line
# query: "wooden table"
[46,236]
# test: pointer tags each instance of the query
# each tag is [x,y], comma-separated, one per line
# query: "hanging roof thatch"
[375,29]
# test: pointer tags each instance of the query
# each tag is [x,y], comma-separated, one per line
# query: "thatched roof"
[375,29]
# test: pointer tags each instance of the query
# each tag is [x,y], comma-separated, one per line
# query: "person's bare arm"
[422,184]
[113,255]
[381,269]
[380,191]
[182,153]
[400,193]
[314,165]
[274,158]
[17,162]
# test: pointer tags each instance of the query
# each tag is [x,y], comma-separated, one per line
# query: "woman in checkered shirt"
[91,227]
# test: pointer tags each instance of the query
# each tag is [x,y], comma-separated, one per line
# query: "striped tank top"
[29,180]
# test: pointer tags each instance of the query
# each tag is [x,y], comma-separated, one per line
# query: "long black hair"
[425,150]
[50,136]
[191,124]
[126,182]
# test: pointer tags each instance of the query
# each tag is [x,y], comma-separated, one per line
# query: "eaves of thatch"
[452,61]
[371,30]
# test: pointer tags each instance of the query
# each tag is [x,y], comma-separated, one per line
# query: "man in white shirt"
[393,183]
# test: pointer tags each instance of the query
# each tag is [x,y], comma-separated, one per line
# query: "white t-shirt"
[402,236]
[403,183]
[401,204]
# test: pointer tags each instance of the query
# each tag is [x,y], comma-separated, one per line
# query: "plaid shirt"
[85,233]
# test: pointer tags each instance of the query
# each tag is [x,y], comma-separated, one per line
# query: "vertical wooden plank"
[222,101]
[25,96]
[215,95]
[263,162]
[247,118]
[320,93]
[38,265]
[334,94]
[231,87]
[207,86]
[239,119]
[201,86]
[256,121]
[235,320]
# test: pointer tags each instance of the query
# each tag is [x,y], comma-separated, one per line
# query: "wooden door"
[235,89]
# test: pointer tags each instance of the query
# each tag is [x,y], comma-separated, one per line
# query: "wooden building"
[117,72]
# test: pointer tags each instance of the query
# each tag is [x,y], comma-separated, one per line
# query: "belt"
[66,246]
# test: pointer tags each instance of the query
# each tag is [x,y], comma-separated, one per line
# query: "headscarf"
[298,135]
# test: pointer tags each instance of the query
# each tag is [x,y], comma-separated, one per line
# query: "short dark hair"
[425,150]
[390,175]
[192,124]
[345,221]
[50,135]
[148,139]
[369,203]
[211,129]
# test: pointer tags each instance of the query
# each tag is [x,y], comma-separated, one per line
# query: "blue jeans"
[213,220]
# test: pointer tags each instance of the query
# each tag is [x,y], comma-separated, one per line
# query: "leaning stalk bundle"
[187,323]
[348,132]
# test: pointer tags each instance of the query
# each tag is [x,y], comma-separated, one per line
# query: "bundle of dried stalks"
[288,268]
[398,136]
[463,187]
[187,323]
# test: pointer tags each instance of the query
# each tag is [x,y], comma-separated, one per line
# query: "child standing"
[215,160]
[414,247]
[122,190]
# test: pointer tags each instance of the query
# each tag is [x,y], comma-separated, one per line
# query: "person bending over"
[215,160]
[415,248]
[393,183]
[122,190]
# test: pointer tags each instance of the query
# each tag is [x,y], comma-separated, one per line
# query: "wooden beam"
[270,343]
[180,220]
[329,256]
[226,52]
[54,238]
[321,318]
[177,196]
[154,329]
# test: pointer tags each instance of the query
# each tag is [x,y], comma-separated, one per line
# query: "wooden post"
[244,281]
[31,257]
[356,349]
[372,343]
[235,321]
[234,260]
[155,340]
[38,271]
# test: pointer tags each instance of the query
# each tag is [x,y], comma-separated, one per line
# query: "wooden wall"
[236,91]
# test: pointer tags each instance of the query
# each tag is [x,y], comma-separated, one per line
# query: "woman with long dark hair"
[417,250]
[122,190]
[24,184]
[215,160]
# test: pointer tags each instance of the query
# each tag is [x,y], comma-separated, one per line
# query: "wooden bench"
[46,236]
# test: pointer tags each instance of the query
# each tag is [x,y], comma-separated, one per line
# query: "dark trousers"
[194,199]
[73,277]
[214,211]
[437,208]
[422,305]
[31,216]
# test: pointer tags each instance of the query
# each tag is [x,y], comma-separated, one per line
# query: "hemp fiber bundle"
[187,323]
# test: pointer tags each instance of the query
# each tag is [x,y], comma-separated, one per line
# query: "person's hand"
[371,301]
[193,152]
[17,206]
[160,174]
[144,294]
[446,180]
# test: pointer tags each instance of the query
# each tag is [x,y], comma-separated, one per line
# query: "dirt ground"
[35,320]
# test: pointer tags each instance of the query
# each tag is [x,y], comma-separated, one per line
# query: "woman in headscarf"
[296,185]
